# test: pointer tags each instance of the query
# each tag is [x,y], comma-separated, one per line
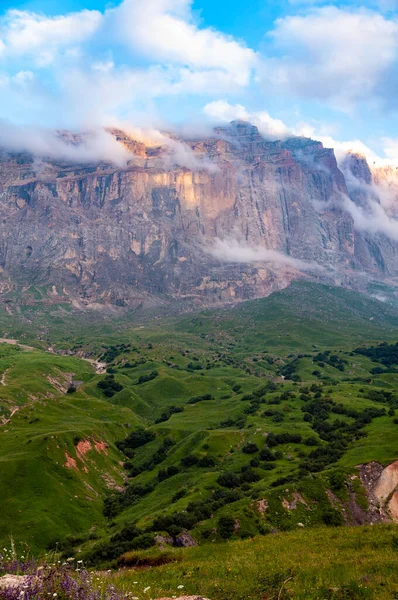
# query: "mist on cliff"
[371,219]
[97,145]
[234,251]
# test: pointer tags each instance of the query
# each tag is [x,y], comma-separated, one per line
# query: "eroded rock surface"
[97,234]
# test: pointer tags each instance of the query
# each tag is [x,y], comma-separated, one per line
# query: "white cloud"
[234,251]
[222,111]
[334,54]
[164,30]
[40,37]
[95,146]
[373,219]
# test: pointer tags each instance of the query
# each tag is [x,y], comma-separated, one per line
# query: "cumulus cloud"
[85,69]
[41,37]
[334,54]
[165,30]
[234,251]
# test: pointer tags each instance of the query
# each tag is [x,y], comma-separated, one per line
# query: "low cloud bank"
[233,251]
[96,146]
[373,219]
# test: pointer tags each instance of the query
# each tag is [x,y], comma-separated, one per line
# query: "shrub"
[332,517]
[166,414]
[207,461]
[145,378]
[167,473]
[109,386]
[190,460]
[228,480]
[267,455]
[337,480]
[250,448]
[196,399]
[136,439]
[226,527]
[178,495]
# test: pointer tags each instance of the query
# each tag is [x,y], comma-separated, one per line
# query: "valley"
[277,415]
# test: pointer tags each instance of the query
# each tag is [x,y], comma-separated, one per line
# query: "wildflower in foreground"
[54,581]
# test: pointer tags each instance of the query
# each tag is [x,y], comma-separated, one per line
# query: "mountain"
[182,221]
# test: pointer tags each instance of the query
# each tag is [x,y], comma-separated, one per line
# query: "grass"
[339,563]
[239,350]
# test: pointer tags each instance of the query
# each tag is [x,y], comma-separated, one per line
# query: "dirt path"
[3,377]
[15,343]
[100,367]
[5,421]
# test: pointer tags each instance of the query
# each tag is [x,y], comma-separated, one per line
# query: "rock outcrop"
[97,234]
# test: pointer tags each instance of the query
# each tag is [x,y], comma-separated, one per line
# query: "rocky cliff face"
[144,233]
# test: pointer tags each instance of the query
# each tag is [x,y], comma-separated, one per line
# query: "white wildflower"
[146,589]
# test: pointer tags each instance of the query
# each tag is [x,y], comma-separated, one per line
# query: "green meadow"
[232,424]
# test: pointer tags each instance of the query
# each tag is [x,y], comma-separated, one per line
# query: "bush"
[196,399]
[190,460]
[332,517]
[109,386]
[250,448]
[166,414]
[145,378]
[267,455]
[228,480]
[178,495]
[207,461]
[226,527]
[337,480]
[136,439]
[167,473]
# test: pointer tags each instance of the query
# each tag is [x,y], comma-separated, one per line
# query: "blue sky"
[305,67]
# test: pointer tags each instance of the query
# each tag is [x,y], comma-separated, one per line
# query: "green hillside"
[226,424]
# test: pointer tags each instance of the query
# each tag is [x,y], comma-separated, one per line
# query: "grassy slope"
[358,563]
[44,501]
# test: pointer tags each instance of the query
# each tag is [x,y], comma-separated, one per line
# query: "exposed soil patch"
[70,462]
[3,377]
[111,483]
[296,498]
[262,506]
[82,448]
[101,447]
[61,386]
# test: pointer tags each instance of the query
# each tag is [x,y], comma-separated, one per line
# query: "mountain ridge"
[99,234]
